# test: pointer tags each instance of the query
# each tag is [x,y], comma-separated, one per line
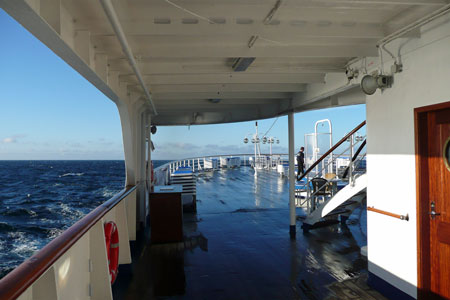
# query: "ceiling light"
[242,63]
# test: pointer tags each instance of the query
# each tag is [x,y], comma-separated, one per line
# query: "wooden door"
[434,198]
[439,197]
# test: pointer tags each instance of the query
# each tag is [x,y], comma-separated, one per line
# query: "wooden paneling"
[443,232]
[432,125]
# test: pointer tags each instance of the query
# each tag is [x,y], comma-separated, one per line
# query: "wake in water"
[72,174]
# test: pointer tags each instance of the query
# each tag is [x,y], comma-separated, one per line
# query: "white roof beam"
[386,2]
[238,78]
[154,68]
[115,23]
[219,88]
[50,22]
[223,95]
[244,51]
[223,102]
[328,29]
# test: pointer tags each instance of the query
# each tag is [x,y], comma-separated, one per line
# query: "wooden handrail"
[383,212]
[332,149]
[22,277]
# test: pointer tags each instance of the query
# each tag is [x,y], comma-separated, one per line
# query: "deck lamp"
[245,140]
[370,84]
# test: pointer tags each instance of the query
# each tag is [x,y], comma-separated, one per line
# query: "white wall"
[392,243]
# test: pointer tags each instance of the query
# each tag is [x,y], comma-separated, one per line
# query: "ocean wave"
[107,192]
[6,227]
[22,245]
[19,212]
[71,174]
[54,233]
[35,229]
[47,199]
[67,211]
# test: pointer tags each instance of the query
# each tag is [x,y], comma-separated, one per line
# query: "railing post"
[292,216]
[350,169]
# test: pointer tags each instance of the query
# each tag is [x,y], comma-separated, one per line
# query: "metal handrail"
[355,157]
[338,156]
[332,149]
[22,277]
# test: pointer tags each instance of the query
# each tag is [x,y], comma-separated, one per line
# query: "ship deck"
[237,246]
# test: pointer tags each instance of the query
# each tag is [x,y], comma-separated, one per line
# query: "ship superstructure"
[167,62]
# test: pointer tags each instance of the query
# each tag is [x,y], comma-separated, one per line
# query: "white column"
[149,166]
[292,215]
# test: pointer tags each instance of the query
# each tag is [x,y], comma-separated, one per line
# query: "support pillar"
[132,113]
[292,214]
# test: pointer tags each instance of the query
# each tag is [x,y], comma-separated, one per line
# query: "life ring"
[112,249]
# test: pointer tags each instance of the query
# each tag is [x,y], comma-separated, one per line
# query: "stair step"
[347,203]
[306,227]
[338,212]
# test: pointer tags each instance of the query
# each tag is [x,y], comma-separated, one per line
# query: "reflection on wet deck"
[237,247]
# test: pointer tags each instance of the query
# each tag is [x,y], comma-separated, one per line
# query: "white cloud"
[13,139]
[176,150]
[9,140]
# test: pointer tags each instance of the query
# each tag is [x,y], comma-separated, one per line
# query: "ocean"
[40,199]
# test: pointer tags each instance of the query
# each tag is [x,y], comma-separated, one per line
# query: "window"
[447,153]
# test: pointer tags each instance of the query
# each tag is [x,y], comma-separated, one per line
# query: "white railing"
[162,173]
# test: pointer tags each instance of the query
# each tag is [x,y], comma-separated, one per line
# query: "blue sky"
[48,111]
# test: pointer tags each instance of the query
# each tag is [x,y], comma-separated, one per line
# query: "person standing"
[300,162]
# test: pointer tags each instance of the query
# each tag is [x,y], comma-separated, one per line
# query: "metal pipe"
[402,31]
[422,21]
[115,23]
[292,215]
[350,169]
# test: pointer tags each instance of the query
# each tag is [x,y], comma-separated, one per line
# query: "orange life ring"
[112,249]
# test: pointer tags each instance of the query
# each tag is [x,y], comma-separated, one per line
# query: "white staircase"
[341,203]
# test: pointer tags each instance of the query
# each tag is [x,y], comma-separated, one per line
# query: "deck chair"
[320,188]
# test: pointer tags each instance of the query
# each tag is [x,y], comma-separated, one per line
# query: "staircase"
[324,201]
[342,203]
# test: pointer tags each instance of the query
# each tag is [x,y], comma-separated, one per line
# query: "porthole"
[447,153]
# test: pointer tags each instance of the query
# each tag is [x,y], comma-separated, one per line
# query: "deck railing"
[316,163]
[310,201]
[162,173]
[75,265]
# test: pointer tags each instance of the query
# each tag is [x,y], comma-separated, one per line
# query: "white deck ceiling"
[185,53]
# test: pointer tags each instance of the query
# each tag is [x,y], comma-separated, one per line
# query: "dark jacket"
[300,158]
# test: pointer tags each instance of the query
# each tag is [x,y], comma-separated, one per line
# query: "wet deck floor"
[237,246]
